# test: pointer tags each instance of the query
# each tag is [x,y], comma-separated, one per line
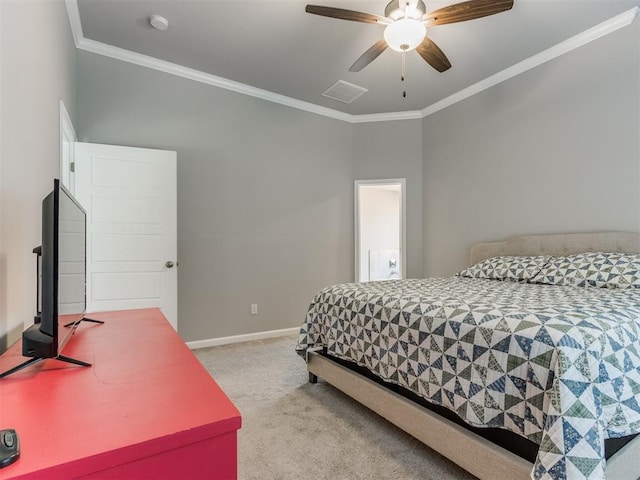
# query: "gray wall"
[553,150]
[37,70]
[265,192]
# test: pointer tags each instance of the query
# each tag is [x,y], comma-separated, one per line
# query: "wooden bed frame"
[478,456]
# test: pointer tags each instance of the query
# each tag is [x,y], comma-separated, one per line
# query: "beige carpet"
[292,429]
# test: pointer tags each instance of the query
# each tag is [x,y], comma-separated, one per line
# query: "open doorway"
[379,229]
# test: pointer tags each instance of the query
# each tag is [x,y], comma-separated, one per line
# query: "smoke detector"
[159,22]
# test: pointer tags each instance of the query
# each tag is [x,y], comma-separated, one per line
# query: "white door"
[130,198]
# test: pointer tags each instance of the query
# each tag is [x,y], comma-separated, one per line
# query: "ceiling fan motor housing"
[395,9]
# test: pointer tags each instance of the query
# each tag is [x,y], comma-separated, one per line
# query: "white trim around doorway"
[403,220]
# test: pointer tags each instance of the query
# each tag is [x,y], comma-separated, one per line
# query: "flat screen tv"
[62,283]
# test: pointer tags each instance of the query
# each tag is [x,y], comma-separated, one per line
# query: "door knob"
[169,264]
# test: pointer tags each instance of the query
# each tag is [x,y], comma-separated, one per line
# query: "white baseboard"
[214,342]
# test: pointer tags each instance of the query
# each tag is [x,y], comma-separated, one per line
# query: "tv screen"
[62,264]
[63,269]
[64,279]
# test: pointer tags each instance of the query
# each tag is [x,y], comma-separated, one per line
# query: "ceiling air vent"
[344,92]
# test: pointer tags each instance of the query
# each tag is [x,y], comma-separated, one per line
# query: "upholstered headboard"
[558,244]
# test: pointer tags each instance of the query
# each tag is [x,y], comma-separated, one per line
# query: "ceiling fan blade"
[432,54]
[369,56]
[461,12]
[346,14]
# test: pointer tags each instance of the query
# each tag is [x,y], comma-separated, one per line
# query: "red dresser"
[145,409]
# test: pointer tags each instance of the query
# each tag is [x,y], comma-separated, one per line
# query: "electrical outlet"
[254,309]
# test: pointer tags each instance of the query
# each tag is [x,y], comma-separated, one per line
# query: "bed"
[538,340]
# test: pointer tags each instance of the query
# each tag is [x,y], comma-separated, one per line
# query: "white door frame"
[403,220]
[68,136]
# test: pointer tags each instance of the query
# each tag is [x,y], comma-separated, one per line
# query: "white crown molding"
[386,117]
[74,20]
[561,48]
[128,56]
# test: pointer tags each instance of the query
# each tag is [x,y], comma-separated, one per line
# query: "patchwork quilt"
[559,365]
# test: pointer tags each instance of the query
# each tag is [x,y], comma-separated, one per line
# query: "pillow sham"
[511,268]
[597,269]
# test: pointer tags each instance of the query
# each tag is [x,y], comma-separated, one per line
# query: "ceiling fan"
[406,26]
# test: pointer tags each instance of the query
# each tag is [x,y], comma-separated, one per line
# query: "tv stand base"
[33,361]
[83,319]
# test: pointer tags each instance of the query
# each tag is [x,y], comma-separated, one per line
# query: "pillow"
[599,269]
[519,269]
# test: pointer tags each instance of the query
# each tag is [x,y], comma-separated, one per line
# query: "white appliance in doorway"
[130,198]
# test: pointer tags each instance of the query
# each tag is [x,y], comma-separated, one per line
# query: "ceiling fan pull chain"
[404,92]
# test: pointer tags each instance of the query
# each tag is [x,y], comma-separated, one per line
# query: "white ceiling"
[275,46]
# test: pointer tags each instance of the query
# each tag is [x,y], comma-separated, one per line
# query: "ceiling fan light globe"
[405,34]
